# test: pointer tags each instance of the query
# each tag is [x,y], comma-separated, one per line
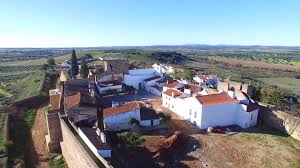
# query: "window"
[172,106]
[195,114]
[190,112]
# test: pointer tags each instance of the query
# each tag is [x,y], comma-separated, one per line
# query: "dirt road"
[38,151]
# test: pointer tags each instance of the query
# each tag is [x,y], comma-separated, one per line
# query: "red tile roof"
[215,99]
[71,101]
[171,85]
[120,109]
[170,91]
[192,87]
[54,101]
[152,78]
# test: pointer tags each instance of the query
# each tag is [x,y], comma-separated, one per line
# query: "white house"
[105,87]
[136,77]
[163,69]
[151,85]
[148,117]
[210,110]
[117,117]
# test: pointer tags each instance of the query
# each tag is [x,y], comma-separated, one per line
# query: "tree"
[84,69]
[264,96]
[187,75]
[74,66]
[51,62]
[129,140]
[45,67]
[133,121]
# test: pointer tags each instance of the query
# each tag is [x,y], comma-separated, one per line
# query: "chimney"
[167,81]
[231,94]
[187,91]
[115,104]
[100,126]
[173,94]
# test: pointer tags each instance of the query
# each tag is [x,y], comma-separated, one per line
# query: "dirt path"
[38,151]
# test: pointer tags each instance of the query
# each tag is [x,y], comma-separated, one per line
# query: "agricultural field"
[43,59]
[291,84]
[257,64]
[28,86]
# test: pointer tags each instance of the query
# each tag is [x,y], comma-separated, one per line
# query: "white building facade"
[210,110]
[136,77]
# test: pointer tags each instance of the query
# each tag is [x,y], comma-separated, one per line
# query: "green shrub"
[30,117]
[133,121]
[56,161]
[129,140]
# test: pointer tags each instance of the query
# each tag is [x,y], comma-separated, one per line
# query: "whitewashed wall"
[212,115]
[147,123]
[153,90]
[219,115]
[152,82]
[120,121]
[137,76]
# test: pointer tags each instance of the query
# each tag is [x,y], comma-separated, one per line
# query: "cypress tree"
[74,66]
[84,69]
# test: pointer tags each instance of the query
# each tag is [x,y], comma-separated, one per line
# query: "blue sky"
[75,23]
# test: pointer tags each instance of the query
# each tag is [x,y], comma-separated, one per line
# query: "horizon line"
[157,45]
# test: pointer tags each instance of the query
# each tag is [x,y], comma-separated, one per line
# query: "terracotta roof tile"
[170,91]
[54,101]
[192,87]
[215,99]
[71,101]
[171,85]
[120,109]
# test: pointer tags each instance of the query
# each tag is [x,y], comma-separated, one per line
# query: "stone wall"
[118,66]
[247,89]
[235,85]
[54,136]
[225,86]
[281,121]
[74,153]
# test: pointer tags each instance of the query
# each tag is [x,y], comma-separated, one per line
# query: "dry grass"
[256,64]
